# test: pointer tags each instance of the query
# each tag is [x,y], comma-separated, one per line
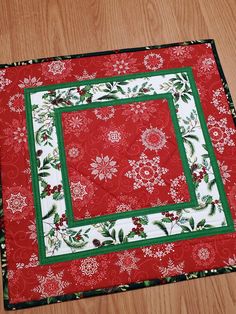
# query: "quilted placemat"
[117,170]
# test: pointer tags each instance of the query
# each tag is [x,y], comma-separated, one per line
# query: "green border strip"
[135,244]
[72,222]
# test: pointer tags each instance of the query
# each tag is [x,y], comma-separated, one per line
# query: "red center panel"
[122,158]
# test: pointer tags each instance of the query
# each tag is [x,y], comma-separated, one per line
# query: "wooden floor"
[42,28]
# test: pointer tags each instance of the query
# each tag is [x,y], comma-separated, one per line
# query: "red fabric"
[97,137]
[29,281]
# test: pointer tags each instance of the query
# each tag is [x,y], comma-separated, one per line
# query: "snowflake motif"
[159,251]
[206,65]
[56,69]
[178,190]
[33,262]
[203,254]
[76,123]
[127,262]
[89,266]
[51,284]
[114,136]
[103,167]
[122,203]
[85,76]
[224,171]
[16,202]
[219,101]
[16,103]
[220,133]
[104,113]
[146,173]
[153,139]
[153,61]
[180,53]
[120,64]
[30,82]
[74,152]
[158,202]
[3,81]
[78,190]
[171,269]
[140,111]
[231,261]
[14,135]
[32,232]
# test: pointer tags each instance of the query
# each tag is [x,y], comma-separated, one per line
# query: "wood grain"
[41,28]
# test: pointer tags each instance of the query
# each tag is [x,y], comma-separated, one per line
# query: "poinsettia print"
[220,133]
[16,103]
[118,64]
[3,80]
[203,254]
[171,269]
[28,82]
[219,100]
[153,61]
[153,139]
[127,261]
[50,284]
[140,111]
[57,69]
[104,167]
[146,173]
[18,203]
[104,113]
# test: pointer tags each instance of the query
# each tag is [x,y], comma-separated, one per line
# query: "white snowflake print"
[16,202]
[127,262]
[76,123]
[78,190]
[220,133]
[114,136]
[51,284]
[159,251]
[224,171]
[85,76]
[153,139]
[171,269]
[19,135]
[30,82]
[89,266]
[146,173]
[32,231]
[119,64]
[180,53]
[104,168]
[231,261]
[203,254]
[219,101]
[3,81]
[73,152]
[206,65]
[104,113]
[153,61]
[56,67]
[140,111]
[178,190]
[16,103]
[122,203]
